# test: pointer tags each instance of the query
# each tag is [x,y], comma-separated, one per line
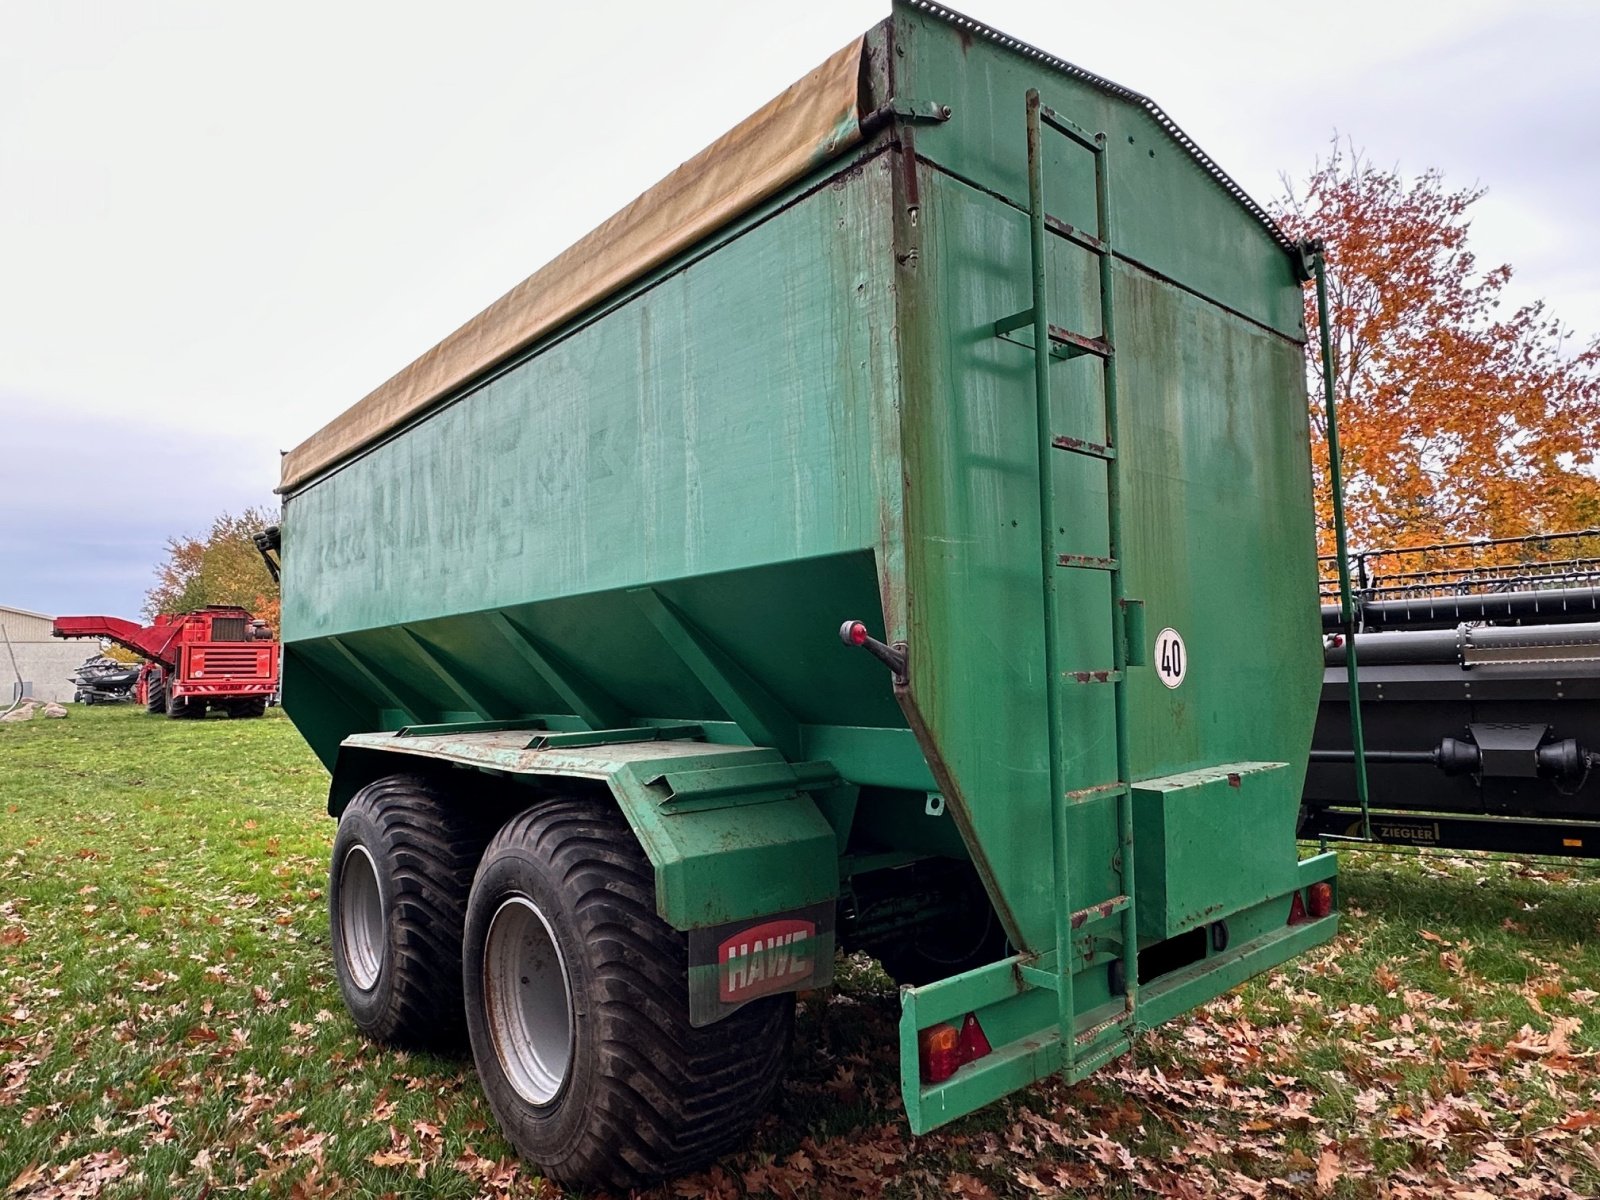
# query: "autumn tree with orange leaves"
[221,566]
[1457,419]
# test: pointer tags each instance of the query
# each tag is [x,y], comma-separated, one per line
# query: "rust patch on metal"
[1233,779]
[1099,911]
[1063,442]
[1090,676]
[1099,789]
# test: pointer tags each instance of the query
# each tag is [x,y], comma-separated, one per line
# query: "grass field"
[170,1025]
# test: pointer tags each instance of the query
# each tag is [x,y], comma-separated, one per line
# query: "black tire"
[642,1095]
[155,693]
[184,708]
[248,707]
[422,849]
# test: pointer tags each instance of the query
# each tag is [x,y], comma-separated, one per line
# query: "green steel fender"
[733,832]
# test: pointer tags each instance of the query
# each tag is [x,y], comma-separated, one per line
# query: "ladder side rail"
[1060,893]
[1119,643]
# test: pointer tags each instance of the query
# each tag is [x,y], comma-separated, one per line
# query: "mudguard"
[745,861]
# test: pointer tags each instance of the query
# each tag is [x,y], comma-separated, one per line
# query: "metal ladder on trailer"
[1084,1052]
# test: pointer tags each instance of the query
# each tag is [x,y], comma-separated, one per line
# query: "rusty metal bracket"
[926,112]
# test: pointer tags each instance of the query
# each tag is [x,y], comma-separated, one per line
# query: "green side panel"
[1171,216]
[1184,825]
[1214,456]
[1217,529]
[711,436]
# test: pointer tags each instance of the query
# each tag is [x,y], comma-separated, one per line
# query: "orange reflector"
[1297,910]
[1319,899]
[939,1049]
[974,1043]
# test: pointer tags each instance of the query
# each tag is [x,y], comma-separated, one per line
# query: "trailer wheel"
[155,692]
[577,1003]
[397,897]
[249,707]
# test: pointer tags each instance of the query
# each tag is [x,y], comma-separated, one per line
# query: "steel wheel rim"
[527,1000]
[361,927]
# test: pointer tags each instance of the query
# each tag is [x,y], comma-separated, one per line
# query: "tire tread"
[671,1097]
[433,847]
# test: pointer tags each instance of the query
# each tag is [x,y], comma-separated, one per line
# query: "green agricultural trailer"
[891,532]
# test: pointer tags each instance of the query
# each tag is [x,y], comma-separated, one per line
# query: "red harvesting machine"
[218,656]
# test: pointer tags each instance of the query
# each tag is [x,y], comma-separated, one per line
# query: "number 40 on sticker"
[1172,660]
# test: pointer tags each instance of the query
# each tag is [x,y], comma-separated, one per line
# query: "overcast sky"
[221,223]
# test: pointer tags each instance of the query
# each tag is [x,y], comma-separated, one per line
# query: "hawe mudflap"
[731,965]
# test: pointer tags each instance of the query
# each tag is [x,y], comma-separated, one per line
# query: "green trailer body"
[621,557]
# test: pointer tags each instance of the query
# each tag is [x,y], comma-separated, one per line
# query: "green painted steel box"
[1189,827]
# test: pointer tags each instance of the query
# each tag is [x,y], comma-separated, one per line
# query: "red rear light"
[939,1049]
[974,1043]
[858,633]
[1297,910]
[1319,899]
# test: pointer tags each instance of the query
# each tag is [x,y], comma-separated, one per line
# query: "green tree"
[221,566]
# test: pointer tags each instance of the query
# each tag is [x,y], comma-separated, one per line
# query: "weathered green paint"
[758,715]
[1189,823]
[659,516]
[590,705]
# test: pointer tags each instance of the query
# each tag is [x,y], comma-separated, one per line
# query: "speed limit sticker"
[1172,660]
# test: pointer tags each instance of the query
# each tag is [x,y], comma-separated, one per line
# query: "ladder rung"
[1098,792]
[1073,130]
[1086,562]
[1094,676]
[1040,977]
[1112,1037]
[1091,1057]
[1099,912]
[1066,344]
[1063,342]
[1080,446]
[1014,322]
[1075,235]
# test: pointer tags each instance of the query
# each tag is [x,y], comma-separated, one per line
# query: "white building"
[44,662]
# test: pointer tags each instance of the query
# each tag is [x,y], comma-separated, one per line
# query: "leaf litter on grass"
[170,1025]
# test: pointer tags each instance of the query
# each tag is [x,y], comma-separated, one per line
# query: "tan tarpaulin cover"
[813,120]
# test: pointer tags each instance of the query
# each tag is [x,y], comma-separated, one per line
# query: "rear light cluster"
[942,1049]
[1313,906]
